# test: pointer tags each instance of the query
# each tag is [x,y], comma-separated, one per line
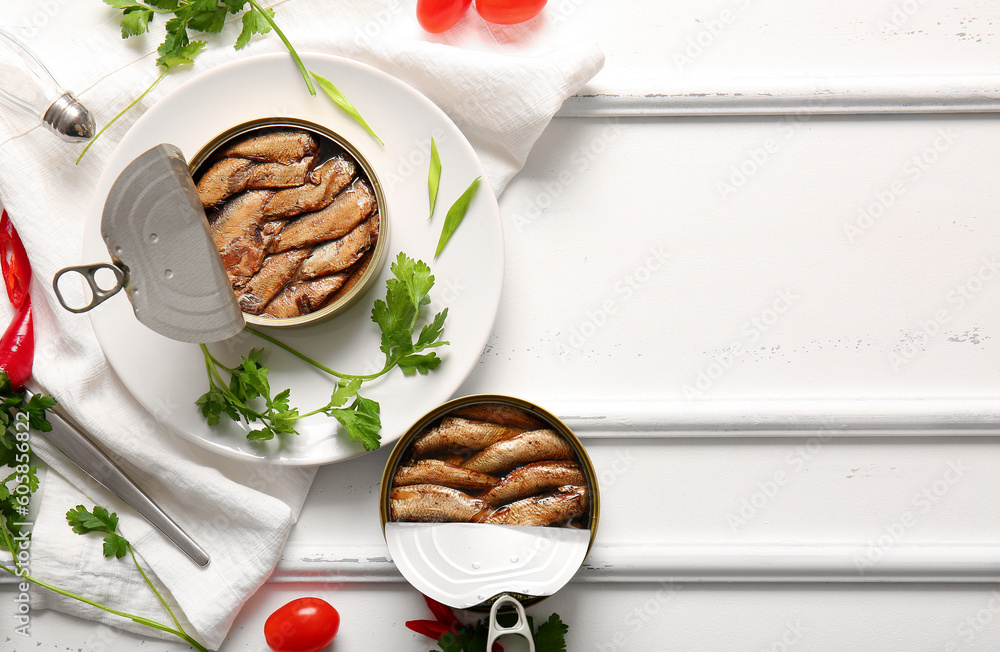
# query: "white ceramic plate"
[166,377]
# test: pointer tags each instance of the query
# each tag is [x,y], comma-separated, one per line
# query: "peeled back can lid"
[471,565]
[157,233]
[465,565]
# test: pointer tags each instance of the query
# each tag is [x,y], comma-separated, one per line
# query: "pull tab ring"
[520,627]
[98,294]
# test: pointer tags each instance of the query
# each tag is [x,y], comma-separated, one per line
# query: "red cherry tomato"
[509,12]
[302,625]
[436,16]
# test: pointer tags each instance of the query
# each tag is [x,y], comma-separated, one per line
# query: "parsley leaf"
[208,17]
[281,415]
[28,477]
[100,520]
[205,16]
[430,334]
[135,21]
[397,315]
[115,546]
[254,22]
[361,421]
[36,408]
[181,55]
[250,381]
[551,635]
[213,404]
[345,390]
[416,277]
[421,363]
[124,4]
[471,638]
[450,643]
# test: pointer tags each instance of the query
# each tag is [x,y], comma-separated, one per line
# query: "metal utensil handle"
[70,439]
[520,627]
[98,295]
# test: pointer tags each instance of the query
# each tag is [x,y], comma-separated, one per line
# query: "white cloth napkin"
[500,84]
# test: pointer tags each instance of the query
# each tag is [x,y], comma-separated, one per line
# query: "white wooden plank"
[781,95]
[692,39]
[651,419]
[654,563]
[750,258]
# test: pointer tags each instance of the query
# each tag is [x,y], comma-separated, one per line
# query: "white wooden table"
[777,335]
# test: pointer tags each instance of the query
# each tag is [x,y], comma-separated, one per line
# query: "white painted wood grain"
[691,563]
[693,39]
[655,183]
[781,95]
[751,258]
[763,417]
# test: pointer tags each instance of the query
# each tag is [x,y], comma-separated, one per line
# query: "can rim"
[380,251]
[403,443]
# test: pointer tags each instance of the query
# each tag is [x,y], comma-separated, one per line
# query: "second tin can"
[471,565]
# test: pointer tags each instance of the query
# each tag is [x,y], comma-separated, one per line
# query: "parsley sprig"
[247,395]
[247,382]
[15,455]
[209,17]
[104,522]
[17,417]
[206,16]
[84,521]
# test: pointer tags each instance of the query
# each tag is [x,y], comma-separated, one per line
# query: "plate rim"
[93,219]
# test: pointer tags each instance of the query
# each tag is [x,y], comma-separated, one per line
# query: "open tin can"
[166,259]
[492,562]
[331,144]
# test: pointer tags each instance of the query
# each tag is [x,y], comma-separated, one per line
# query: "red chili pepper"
[429,628]
[17,350]
[442,612]
[14,263]
[445,621]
